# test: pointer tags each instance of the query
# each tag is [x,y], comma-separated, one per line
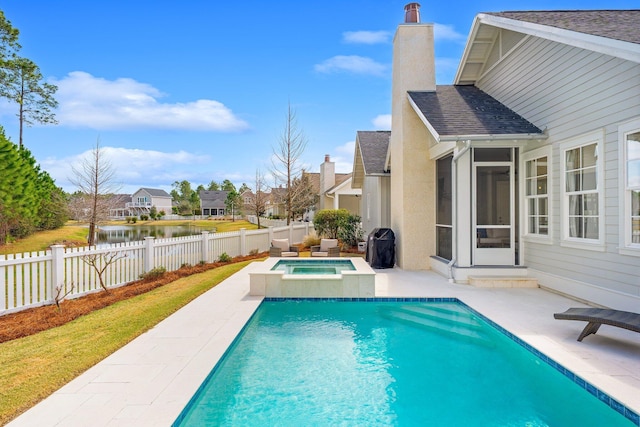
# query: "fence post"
[57,270]
[204,251]
[243,241]
[149,261]
[270,234]
[291,233]
[306,228]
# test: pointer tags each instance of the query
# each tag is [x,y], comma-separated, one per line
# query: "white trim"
[596,137]
[524,209]
[605,45]
[626,247]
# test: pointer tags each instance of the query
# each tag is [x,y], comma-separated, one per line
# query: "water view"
[132,233]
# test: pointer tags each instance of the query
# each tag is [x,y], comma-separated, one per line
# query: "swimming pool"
[313,266]
[328,362]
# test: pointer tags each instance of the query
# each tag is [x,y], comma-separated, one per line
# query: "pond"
[132,233]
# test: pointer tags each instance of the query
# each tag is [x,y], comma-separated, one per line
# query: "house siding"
[375,203]
[571,92]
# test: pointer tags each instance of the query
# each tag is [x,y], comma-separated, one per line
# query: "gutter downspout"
[454,209]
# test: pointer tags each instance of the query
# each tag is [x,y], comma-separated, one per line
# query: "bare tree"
[286,158]
[95,179]
[258,203]
[101,262]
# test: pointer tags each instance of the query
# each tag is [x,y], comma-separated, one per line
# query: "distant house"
[141,202]
[212,203]
[529,164]
[373,178]
[334,189]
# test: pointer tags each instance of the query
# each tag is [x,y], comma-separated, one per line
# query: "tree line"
[29,198]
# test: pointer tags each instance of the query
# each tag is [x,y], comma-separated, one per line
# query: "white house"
[529,164]
[141,202]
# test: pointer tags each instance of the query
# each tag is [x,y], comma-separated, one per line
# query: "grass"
[41,240]
[34,367]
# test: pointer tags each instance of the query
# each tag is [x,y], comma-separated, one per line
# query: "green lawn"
[34,367]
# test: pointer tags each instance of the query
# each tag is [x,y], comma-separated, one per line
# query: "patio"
[149,381]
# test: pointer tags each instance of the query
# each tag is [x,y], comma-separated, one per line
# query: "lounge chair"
[599,316]
[326,248]
[281,248]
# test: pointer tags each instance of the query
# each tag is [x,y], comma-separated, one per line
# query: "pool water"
[381,364]
[312,266]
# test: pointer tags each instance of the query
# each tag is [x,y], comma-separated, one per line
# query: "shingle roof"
[373,147]
[156,192]
[621,25]
[213,199]
[466,110]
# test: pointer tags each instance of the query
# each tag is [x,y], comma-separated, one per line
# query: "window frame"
[627,247]
[598,244]
[524,159]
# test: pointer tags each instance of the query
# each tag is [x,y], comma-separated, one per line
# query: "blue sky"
[198,90]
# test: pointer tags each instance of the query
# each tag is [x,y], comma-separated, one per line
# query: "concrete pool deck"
[149,381]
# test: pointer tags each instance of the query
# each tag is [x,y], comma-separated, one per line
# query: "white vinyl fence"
[39,278]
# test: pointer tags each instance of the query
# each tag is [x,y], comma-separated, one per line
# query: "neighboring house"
[335,189]
[212,203]
[529,165]
[118,203]
[141,202]
[372,178]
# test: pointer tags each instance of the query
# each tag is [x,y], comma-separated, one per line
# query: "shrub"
[350,231]
[154,273]
[128,219]
[311,240]
[186,265]
[224,257]
[253,252]
[144,217]
[327,222]
[134,219]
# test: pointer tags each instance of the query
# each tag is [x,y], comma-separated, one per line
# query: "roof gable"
[154,192]
[373,149]
[495,35]
[454,112]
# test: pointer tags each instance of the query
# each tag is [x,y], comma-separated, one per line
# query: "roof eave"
[494,137]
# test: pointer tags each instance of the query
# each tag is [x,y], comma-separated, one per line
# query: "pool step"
[503,282]
[461,326]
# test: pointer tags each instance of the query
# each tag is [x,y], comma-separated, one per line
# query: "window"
[537,196]
[582,184]
[631,185]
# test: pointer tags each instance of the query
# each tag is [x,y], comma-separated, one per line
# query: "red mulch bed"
[34,320]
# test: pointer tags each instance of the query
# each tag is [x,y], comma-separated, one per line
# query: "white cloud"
[347,148]
[382,122]
[136,168]
[446,32]
[93,102]
[352,64]
[366,37]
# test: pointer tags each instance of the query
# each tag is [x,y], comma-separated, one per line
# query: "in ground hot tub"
[306,277]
